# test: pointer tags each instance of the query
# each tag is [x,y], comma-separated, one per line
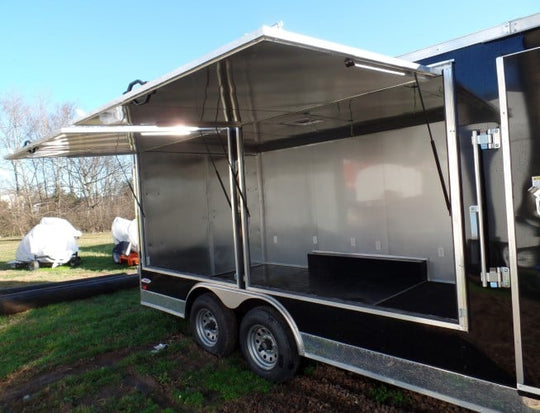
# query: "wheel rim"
[207,327]
[262,347]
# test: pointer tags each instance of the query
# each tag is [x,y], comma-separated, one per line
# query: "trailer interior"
[309,170]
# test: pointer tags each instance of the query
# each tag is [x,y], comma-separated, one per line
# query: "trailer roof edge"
[502,30]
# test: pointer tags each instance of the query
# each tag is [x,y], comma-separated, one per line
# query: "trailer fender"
[232,298]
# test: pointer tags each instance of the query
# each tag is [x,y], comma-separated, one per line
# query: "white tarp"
[53,241]
[125,230]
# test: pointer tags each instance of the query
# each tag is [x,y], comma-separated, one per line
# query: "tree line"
[89,191]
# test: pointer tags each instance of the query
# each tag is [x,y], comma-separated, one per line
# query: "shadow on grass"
[8,285]
[101,249]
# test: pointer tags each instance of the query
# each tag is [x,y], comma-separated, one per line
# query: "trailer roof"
[273,83]
[493,33]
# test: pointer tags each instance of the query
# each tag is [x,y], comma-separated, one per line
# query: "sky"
[87,52]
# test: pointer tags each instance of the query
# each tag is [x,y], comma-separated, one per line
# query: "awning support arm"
[131,189]
[434,148]
[217,172]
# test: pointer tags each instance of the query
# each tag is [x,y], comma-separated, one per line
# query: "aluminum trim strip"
[528,389]
[363,255]
[521,52]
[360,308]
[195,277]
[295,39]
[455,194]
[164,303]
[431,381]
[509,199]
[483,36]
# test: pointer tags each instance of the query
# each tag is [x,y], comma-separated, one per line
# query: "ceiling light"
[170,131]
[305,121]
[383,69]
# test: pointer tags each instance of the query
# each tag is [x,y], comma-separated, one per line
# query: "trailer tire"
[268,345]
[75,261]
[213,325]
[33,265]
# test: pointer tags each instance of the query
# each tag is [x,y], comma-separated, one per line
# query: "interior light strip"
[351,62]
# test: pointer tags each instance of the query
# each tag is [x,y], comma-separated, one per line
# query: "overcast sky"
[87,52]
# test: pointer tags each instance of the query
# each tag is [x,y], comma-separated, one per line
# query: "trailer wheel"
[213,325]
[33,265]
[75,261]
[268,344]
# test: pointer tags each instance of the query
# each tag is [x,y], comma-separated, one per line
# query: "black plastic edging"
[14,300]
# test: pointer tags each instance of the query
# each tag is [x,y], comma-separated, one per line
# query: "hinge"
[534,190]
[474,211]
[490,139]
[497,277]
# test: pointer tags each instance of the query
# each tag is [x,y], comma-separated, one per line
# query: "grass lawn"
[97,355]
[95,251]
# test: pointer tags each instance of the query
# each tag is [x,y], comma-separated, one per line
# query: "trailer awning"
[280,87]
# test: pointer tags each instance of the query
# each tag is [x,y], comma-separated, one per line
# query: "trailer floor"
[427,298]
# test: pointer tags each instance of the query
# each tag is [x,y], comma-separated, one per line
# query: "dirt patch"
[328,389]
[26,383]
[317,388]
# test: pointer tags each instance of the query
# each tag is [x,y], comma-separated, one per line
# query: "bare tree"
[90,192]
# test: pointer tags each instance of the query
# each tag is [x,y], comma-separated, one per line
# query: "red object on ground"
[131,259]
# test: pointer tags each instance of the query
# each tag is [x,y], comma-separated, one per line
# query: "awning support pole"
[244,210]
[232,138]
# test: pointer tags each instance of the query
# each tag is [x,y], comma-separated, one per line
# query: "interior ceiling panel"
[261,82]
[273,83]
[385,109]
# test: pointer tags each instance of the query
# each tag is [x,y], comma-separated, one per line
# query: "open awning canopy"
[281,88]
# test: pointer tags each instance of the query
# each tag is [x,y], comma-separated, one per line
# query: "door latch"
[490,139]
[497,277]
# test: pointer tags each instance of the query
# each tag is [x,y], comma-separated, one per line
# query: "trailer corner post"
[455,191]
[510,219]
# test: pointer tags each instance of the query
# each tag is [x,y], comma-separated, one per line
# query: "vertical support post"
[235,215]
[510,219]
[455,192]
[244,211]
[210,231]
[139,214]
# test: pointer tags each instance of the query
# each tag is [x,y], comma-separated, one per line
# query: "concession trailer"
[302,198]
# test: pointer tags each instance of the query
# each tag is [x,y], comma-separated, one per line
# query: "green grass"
[65,333]
[384,394]
[95,251]
[98,352]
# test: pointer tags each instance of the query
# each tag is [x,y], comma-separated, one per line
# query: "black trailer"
[378,214]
